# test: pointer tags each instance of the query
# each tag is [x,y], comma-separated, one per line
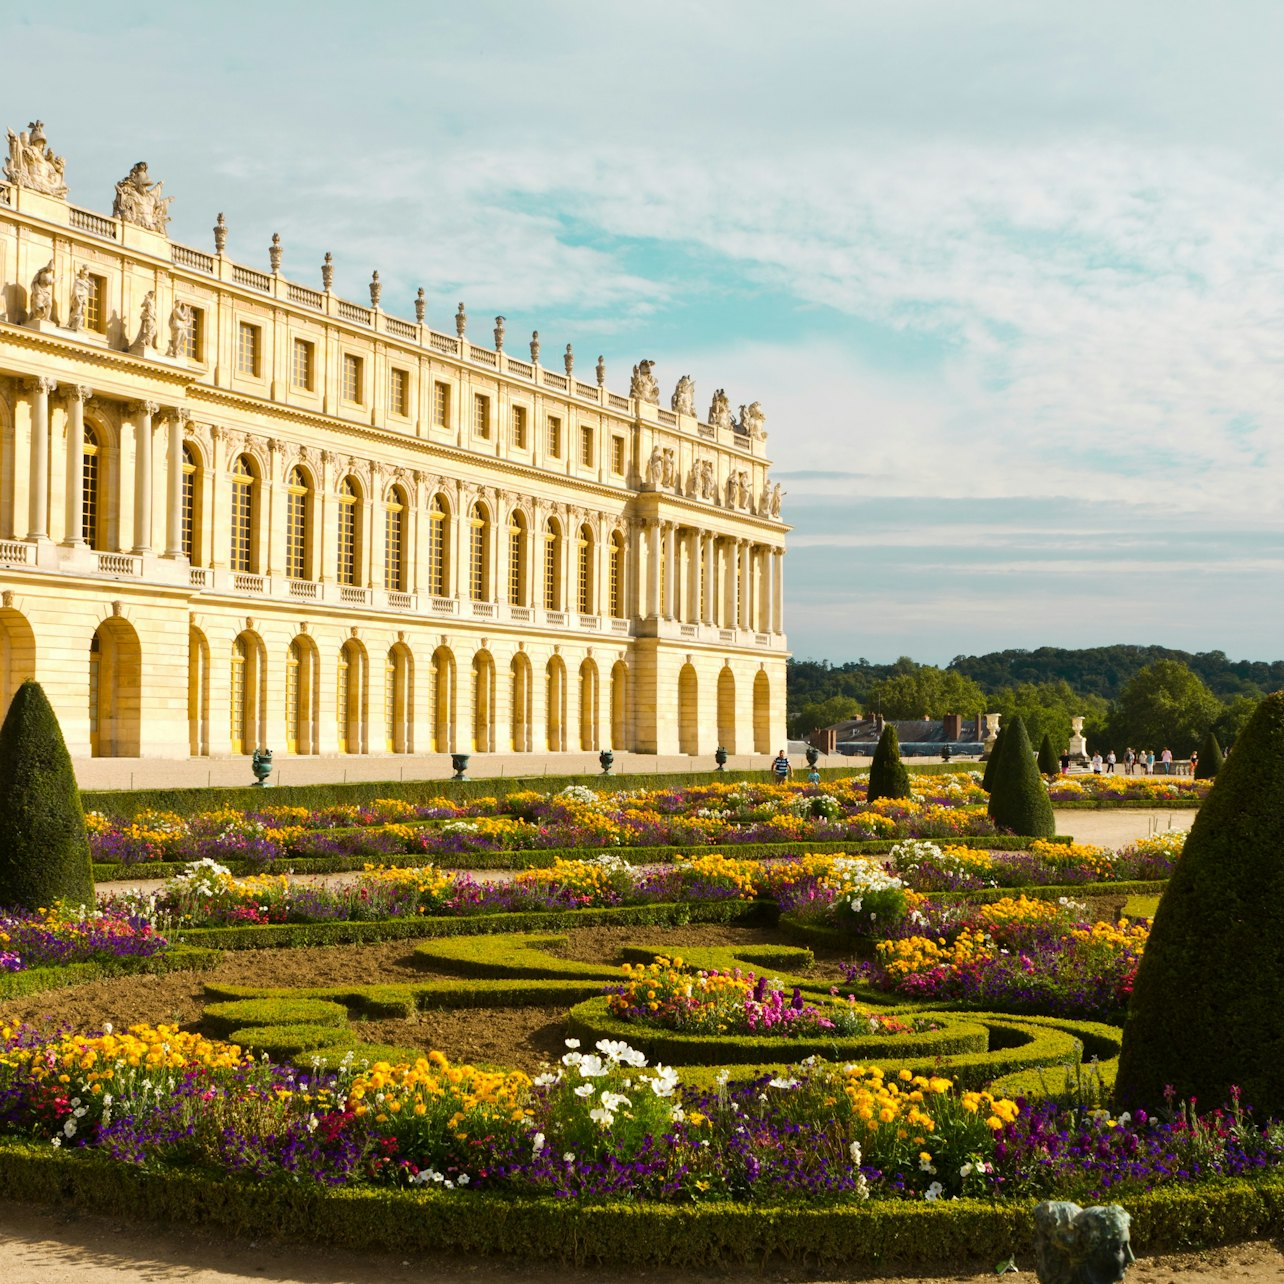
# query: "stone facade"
[237,511]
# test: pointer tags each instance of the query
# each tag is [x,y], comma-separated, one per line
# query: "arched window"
[517,559]
[437,547]
[552,565]
[189,510]
[296,526]
[615,575]
[584,571]
[394,544]
[478,547]
[349,524]
[244,495]
[91,513]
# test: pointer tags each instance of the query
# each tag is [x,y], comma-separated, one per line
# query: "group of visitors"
[782,769]
[1135,762]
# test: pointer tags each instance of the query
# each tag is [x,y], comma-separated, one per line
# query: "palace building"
[237,511]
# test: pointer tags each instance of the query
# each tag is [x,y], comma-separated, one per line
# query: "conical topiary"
[1205,1012]
[44,850]
[987,776]
[1018,797]
[1049,763]
[1210,758]
[887,775]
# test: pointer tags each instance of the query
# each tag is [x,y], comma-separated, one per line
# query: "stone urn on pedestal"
[459,765]
[720,757]
[813,755]
[606,758]
[261,765]
[1078,744]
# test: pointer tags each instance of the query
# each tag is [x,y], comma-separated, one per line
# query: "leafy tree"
[1205,1013]
[1046,708]
[887,775]
[824,713]
[1234,718]
[1164,704]
[1049,763]
[987,776]
[44,850]
[925,691]
[1210,758]
[1018,797]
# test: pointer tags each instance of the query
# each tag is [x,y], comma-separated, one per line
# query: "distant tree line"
[1139,696]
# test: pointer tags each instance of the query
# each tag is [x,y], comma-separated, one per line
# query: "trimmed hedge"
[592,1021]
[1018,797]
[178,958]
[877,1235]
[544,858]
[266,936]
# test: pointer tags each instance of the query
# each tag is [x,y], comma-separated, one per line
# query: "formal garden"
[872,1020]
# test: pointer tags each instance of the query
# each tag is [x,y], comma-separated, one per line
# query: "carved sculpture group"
[32,162]
[138,200]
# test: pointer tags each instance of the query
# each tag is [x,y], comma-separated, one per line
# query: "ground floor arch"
[302,696]
[483,702]
[555,706]
[115,690]
[398,699]
[520,702]
[620,705]
[352,698]
[688,710]
[17,655]
[727,710]
[247,693]
[198,693]
[761,713]
[443,700]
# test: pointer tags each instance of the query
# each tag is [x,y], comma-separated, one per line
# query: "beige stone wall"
[690,653]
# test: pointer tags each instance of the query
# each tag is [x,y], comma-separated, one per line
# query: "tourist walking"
[1096,764]
[780,767]
[1167,759]
[1130,760]
[1065,762]
[1150,762]
[1194,760]
[1110,763]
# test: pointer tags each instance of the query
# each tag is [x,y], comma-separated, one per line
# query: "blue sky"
[1008,278]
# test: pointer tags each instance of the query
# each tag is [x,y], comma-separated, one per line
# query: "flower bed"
[57,937]
[1153,790]
[575,817]
[1014,955]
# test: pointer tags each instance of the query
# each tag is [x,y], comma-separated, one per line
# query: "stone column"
[778,591]
[708,554]
[653,569]
[669,606]
[38,502]
[174,484]
[695,550]
[745,594]
[144,410]
[729,563]
[76,398]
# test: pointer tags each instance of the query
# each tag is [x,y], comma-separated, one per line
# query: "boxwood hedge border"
[878,1235]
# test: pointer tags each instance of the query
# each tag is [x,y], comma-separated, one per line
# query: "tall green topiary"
[44,850]
[1018,797]
[1205,1010]
[987,776]
[1210,758]
[1049,763]
[887,775]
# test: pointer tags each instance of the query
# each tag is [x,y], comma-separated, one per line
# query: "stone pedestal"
[1078,745]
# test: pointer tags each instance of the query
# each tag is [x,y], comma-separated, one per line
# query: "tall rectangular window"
[303,366]
[247,349]
[617,456]
[399,393]
[586,447]
[188,508]
[436,547]
[95,313]
[351,378]
[481,415]
[441,405]
[519,427]
[554,437]
[194,340]
[347,562]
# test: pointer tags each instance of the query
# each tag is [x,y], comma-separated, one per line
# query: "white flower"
[568,1157]
[781,1083]
[602,1117]
[665,1082]
[572,1043]
[614,1100]
[854,1151]
[537,1143]
[925,1164]
[593,1067]
[934,1191]
[545,1080]
[584,1090]
[462,1179]
[965,1170]
[107,1027]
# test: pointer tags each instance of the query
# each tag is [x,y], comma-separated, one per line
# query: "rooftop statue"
[138,200]
[33,164]
[683,402]
[643,385]
[181,321]
[81,288]
[753,421]
[720,410]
